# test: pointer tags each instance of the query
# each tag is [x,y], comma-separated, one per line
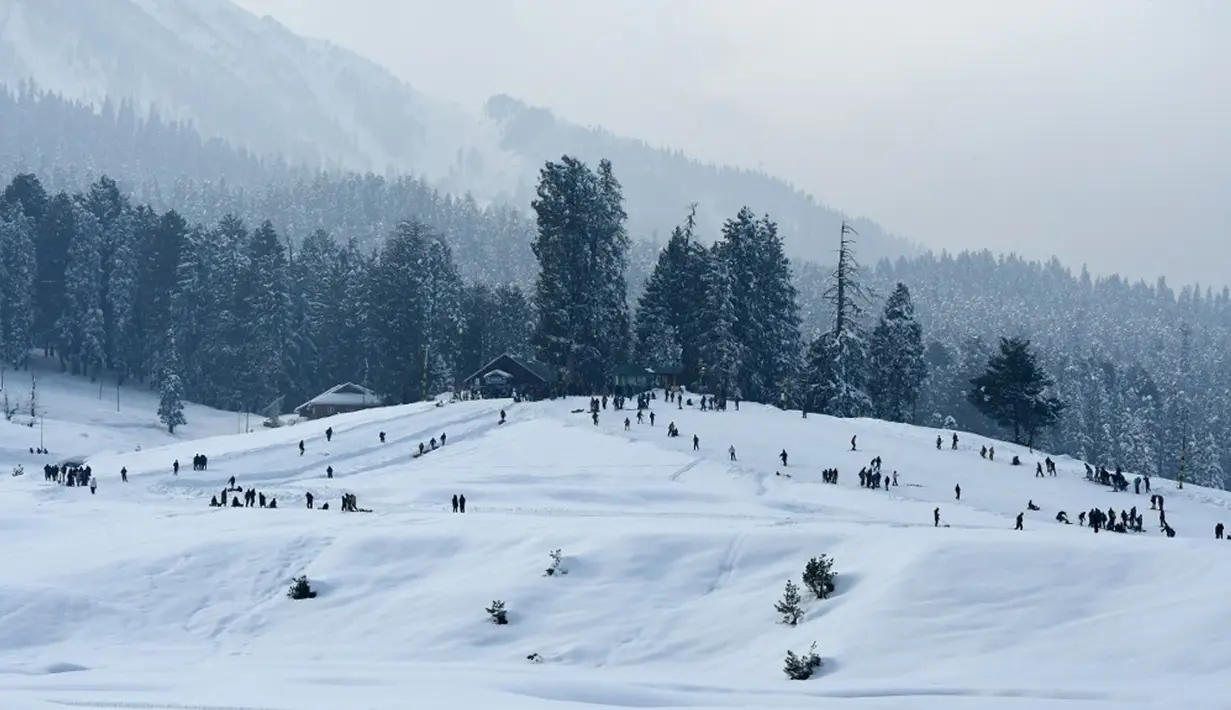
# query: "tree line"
[251,314]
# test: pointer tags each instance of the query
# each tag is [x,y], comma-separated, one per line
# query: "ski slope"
[144,597]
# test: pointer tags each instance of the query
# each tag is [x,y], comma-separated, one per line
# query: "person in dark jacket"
[461,503]
[454,502]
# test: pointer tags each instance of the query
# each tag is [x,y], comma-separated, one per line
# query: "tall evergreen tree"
[897,368]
[265,297]
[171,389]
[722,355]
[669,311]
[837,359]
[81,326]
[1015,392]
[580,292]
[17,270]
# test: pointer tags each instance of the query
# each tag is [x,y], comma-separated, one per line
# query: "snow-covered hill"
[675,559]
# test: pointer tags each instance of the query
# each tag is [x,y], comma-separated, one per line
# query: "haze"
[1095,131]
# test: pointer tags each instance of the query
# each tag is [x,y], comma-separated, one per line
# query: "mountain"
[258,86]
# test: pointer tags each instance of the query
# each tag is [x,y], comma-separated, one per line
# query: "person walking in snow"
[461,503]
[853,438]
[895,478]
[329,434]
[936,518]
[626,423]
[93,485]
[1020,517]
[938,442]
[301,447]
[442,439]
[783,457]
[957,491]
[1218,529]
[731,451]
[382,437]
[454,502]
[308,496]
[651,418]
[640,417]
[175,468]
[502,416]
[261,498]
[696,443]
[231,482]
[124,475]
[955,441]
[991,453]
[329,472]
[1038,469]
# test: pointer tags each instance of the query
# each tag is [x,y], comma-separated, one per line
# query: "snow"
[675,559]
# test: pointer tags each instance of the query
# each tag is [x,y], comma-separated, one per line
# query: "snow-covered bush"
[818,576]
[557,564]
[300,589]
[803,666]
[789,605]
[498,613]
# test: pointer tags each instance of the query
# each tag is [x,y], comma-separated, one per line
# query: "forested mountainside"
[115,287]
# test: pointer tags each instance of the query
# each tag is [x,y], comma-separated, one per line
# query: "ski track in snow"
[143,597]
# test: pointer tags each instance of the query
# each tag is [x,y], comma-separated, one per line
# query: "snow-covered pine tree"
[581,293]
[55,232]
[81,323]
[896,366]
[442,313]
[669,322]
[171,390]
[341,335]
[17,270]
[265,297]
[122,289]
[162,240]
[837,359]
[1203,467]
[722,355]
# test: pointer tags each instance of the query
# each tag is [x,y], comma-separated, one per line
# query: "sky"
[1096,130]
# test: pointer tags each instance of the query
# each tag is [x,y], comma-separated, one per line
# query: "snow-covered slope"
[675,560]
[237,76]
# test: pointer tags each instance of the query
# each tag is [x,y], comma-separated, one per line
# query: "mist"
[1092,131]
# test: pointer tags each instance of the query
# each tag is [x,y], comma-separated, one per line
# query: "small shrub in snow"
[802,667]
[498,614]
[789,605]
[300,589]
[557,565]
[818,576]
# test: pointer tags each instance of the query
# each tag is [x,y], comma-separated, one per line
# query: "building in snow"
[630,380]
[506,375]
[346,397]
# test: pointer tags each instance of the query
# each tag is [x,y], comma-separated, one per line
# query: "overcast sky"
[1097,130]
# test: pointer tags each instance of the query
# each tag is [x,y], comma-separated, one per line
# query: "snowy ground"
[675,560]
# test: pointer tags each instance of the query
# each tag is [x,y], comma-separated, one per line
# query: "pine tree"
[171,391]
[722,357]
[80,325]
[1014,391]
[580,293]
[17,287]
[669,310]
[837,360]
[265,298]
[789,605]
[122,289]
[896,365]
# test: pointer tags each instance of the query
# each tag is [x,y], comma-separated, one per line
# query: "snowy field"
[144,597]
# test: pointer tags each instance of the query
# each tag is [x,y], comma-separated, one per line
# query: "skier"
[783,457]
[124,475]
[1020,516]
[454,502]
[308,497]
[731,451]
[957,491]
[696,443]
[329,434]
[853,442]
[175,468]
[329,471]
[936,518]
[301,447]
[461,503]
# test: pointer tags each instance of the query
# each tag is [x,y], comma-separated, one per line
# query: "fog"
[1096,131]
